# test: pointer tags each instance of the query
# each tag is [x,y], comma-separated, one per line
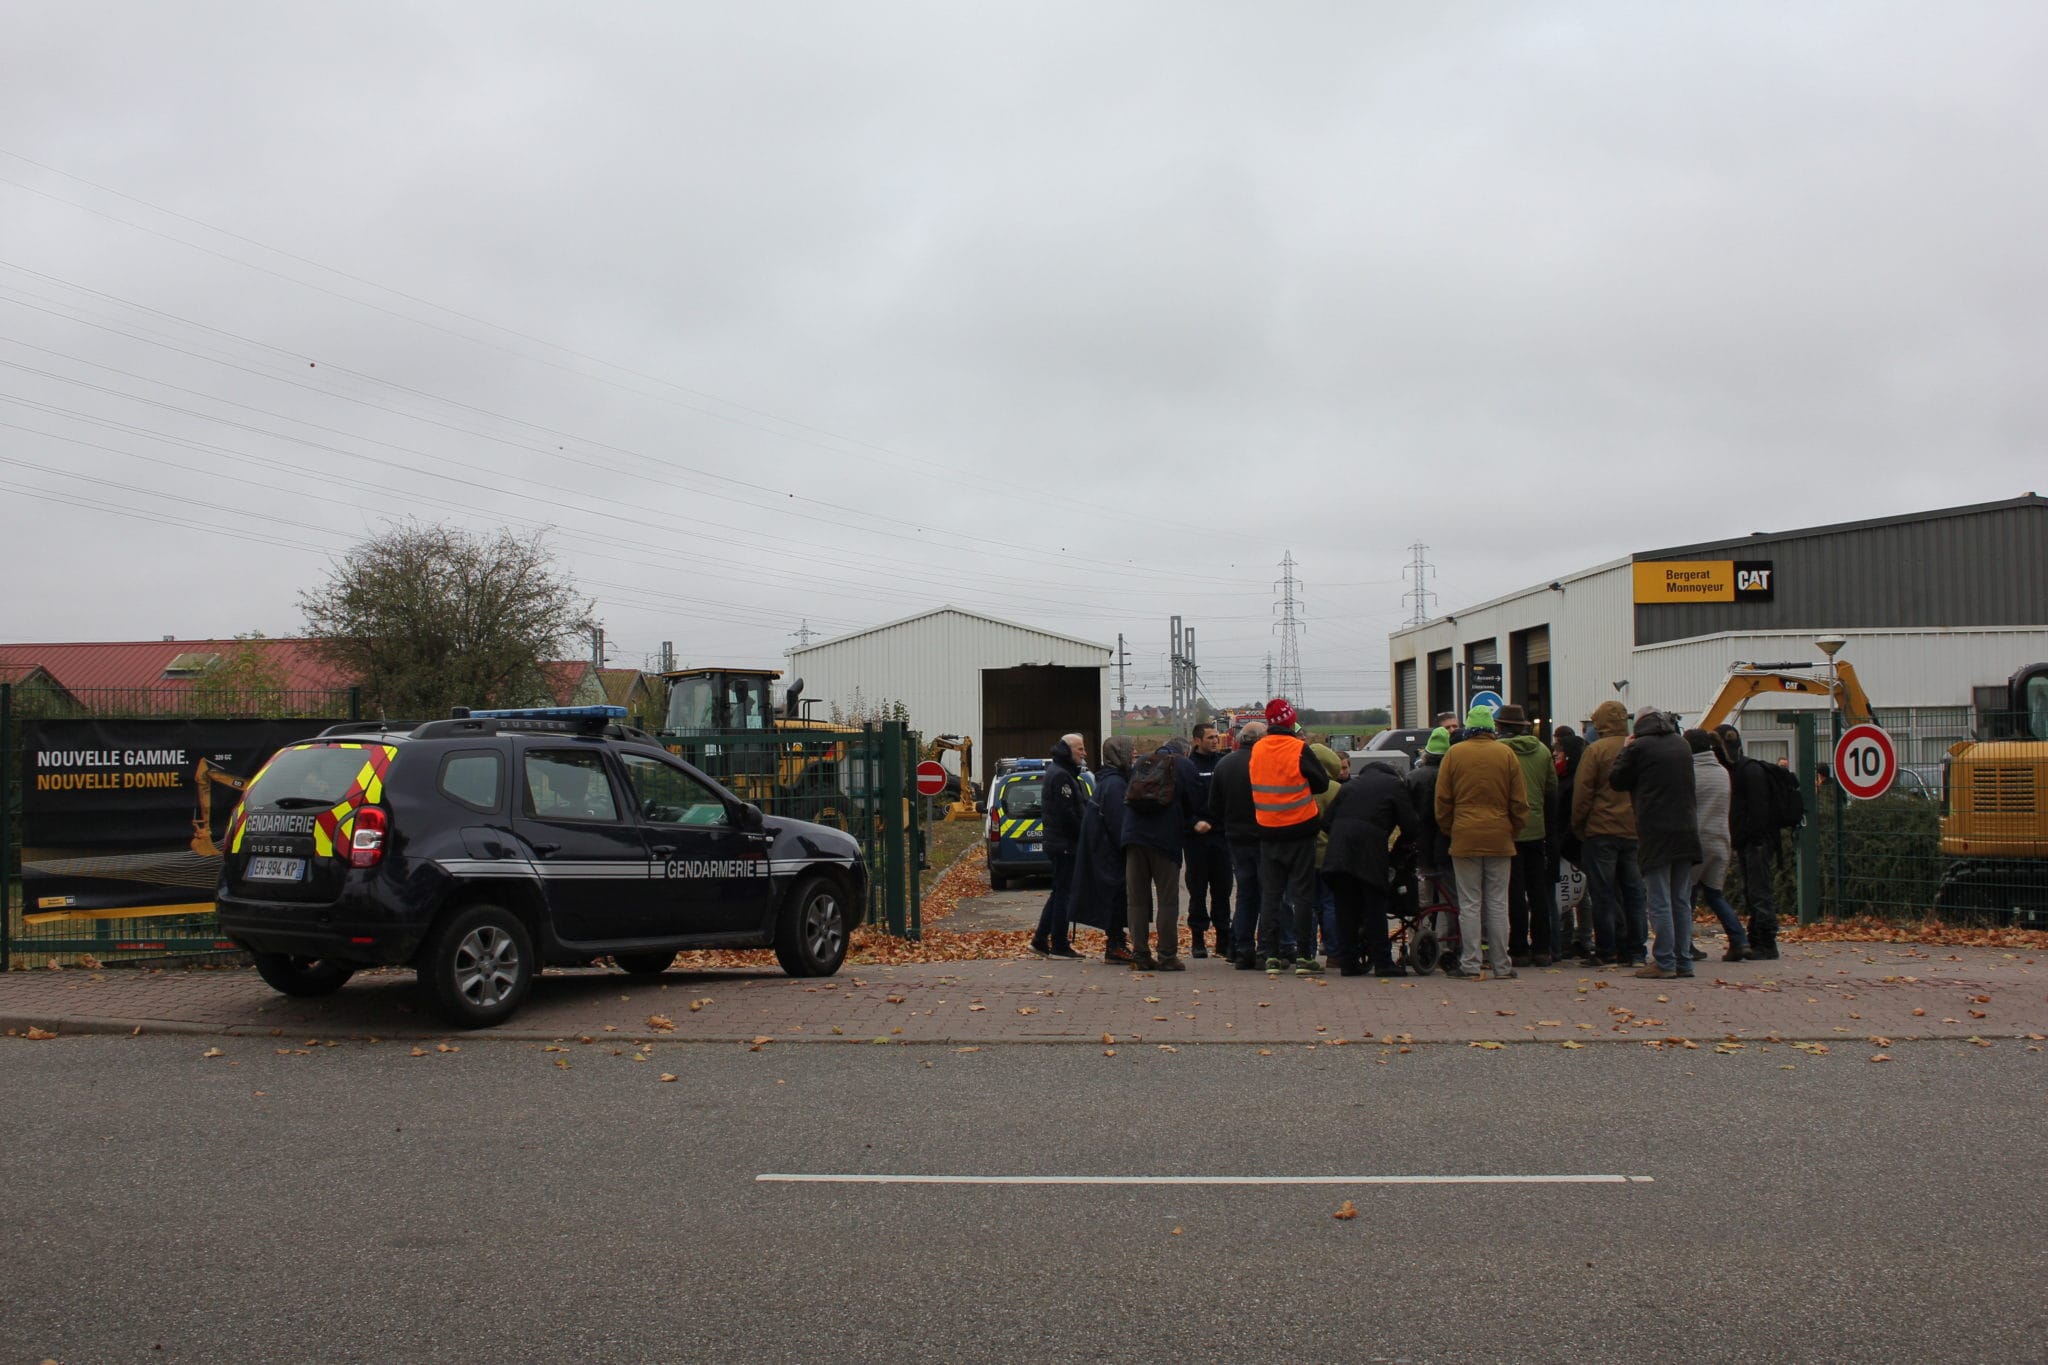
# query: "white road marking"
[848,1179]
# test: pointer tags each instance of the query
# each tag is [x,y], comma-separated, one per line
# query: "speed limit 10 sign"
[1865,762]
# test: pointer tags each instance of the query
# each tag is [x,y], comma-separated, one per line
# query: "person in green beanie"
[1482,803]
[1532,891]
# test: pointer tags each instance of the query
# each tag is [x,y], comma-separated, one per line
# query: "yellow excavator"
[712,712]
[1994,809]
[205,777]
[965,808]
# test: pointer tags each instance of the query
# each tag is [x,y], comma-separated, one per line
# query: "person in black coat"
[1655,769]
[1756,838]
[1060,814]
[1361,822]
[1231,810]
[1098,898]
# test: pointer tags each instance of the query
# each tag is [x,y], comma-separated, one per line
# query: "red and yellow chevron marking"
[335,827]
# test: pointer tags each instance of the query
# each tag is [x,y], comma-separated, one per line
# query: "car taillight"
[995,826]
[367,848]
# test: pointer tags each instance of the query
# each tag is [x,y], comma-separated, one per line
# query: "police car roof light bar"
[550,713]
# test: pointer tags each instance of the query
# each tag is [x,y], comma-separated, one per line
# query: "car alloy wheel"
[486,966]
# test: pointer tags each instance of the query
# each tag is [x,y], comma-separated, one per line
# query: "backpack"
[1788,805]
[1153,788]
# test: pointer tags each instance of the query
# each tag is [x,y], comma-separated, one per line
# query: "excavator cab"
[714,699]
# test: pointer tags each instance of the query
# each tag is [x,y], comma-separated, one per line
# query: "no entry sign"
[931,778]
[1865,762]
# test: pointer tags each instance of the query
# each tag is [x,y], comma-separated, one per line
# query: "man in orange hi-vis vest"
[1285,779]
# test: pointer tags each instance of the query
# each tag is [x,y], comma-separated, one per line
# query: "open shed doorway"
[1025,710]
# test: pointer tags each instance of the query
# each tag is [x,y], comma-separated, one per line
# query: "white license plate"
[1034,848]
[276,870]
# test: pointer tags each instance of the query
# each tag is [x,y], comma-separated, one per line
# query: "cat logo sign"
[1661,581]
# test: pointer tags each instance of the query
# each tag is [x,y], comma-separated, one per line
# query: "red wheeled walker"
[1428,937]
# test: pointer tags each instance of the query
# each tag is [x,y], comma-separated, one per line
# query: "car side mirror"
[748,817]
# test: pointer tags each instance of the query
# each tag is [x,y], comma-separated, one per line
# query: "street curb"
[104,1025]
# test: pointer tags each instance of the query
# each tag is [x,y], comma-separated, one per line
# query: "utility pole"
[1269,675]
[1421,570]
[1290,626]
[803,633]
[597,645]
[1192,682]
[668,656]
[1175,697]
[1181,670]
[1123,660]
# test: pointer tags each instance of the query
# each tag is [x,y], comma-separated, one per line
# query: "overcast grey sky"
[1077,314]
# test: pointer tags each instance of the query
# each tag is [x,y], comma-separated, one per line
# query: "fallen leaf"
[1550,1023]
[44,1035]
[1168,1047]
[1027,1009]
[1881,1057]
[661,1022]
[1506,1013]
[1176,1232]
[444,1047]
[213,1052]
[1489,1045]
[696,1005]
[1346,1211]
[966,1049]
[976,1009]
[668,1075]
[894,999]
[419,1052]
[1109,1037]
[1151,999]
[1111,1052]
[1572,1045]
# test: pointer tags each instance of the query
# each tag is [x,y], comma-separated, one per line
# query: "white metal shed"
[1012,689]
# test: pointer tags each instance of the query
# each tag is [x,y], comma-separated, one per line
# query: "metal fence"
[1884,857]
[856,780]
[860,781]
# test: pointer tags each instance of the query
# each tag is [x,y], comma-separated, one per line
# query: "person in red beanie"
[1286,775]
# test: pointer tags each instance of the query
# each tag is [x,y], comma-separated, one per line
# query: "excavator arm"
[965,808]
[1747,681]
[204,778]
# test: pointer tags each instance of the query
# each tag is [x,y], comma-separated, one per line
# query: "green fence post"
[8,768]
[895,838]
[1838,900]
[923,850]
[1809,833]
[355,703]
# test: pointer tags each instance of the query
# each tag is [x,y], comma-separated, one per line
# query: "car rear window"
[1024,796]
[472,777]
[303,773]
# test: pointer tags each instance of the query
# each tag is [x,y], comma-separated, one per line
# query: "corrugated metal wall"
[1987,568]
[933,665]
[1407,698]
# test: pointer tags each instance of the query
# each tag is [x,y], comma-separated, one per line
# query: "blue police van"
[1015,831]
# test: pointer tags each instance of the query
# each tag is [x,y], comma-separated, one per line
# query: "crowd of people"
[1589,849]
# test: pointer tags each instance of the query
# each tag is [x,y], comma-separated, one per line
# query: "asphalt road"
[488,1204]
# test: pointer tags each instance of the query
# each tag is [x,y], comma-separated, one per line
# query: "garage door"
[1407,708]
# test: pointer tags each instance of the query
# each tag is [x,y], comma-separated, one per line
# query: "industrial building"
[1012,689]
[1934,605]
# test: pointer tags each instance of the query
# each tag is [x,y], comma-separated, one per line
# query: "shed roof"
[956,611]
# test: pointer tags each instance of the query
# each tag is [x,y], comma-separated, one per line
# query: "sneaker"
[1687,975]
[1764,955]
[1390,969]
[1736,953]
[1454,969]
[1038,949]
[1143,964]
[1245,964]
[1118,954]
[1275,965]
[1699,954]
[1172,964]
[1354,969]
[1307,966]
[1200,949]
[1653,972]
[1509,975]
[1063,950]
[1540,960]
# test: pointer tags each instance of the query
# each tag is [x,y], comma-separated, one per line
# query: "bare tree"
[430,617]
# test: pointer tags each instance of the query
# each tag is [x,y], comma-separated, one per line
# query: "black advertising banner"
[124,814]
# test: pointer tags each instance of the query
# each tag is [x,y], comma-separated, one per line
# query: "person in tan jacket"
[1482,803]
[1605,821]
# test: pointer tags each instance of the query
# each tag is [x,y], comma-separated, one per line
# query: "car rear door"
[589,852]
[710,876]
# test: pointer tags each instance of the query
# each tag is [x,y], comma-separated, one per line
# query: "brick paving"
[1832,993]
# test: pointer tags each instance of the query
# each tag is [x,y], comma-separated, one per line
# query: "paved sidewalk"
[1843,993]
